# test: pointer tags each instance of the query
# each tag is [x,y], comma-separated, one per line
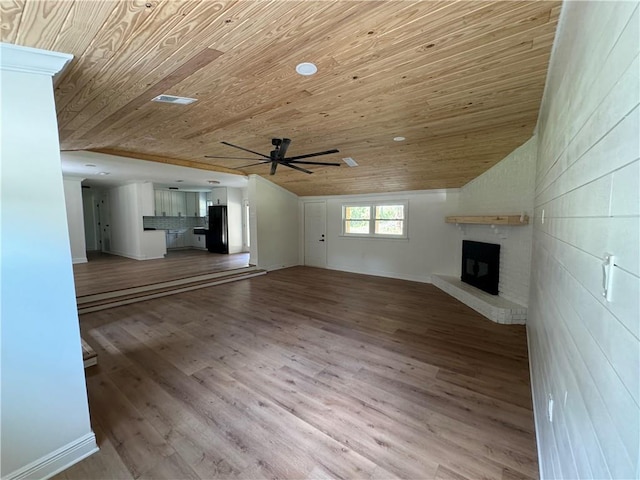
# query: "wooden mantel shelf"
[514,220]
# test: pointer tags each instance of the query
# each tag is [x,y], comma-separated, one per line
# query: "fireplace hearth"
[481,265]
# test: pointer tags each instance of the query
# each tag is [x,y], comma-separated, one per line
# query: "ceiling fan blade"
[309,155]
[314,163]
[251,165]
[282,151]
[274,165]
[230,158]
[287,164]
[245,149]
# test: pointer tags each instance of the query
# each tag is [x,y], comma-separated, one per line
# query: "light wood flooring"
[307,373]
[105,273]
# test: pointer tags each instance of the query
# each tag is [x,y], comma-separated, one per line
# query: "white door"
[315,223]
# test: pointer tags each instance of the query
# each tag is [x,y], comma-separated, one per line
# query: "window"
[385,220]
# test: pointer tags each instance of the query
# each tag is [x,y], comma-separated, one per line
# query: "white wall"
[273,214]
[126,223]
[44,416]
[234,212]
[506,188]
[127,205]
[75,218]
[430,247]
[584,351]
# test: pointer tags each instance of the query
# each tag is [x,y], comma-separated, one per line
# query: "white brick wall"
[495,308]
[506,188]
[584,351]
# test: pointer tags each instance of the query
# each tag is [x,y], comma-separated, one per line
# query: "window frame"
[372,220]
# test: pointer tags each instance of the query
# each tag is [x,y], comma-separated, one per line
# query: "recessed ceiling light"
[89,165]
[213,182]
[306,68]
[179,181]
[174,99]
[399,139]
[103,173]
[350,161]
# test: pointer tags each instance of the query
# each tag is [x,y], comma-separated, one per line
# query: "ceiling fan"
[277,156]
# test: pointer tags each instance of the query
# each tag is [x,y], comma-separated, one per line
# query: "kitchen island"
[153,244]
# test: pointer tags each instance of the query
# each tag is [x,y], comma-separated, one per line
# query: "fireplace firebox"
[481,265]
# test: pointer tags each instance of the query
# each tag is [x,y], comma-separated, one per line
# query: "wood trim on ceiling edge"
[168,160]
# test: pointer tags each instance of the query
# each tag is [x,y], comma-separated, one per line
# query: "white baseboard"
[376,273]
[280,266]
[133,257]
[79,260]
[121,254]
[537,416]
[58,460]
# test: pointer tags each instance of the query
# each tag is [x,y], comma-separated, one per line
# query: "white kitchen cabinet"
[169,203]
[180,240]
[199,241]
[163,203]
[176,239]
[171,240]
[178,204]
[157,211]
[160,211]
[192,204]
[202,204]
[218,196]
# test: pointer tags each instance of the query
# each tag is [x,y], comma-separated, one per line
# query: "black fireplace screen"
[481,265]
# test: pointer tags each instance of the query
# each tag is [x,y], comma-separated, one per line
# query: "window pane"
[356,226]
[389,227]
[390,212]
[357,212]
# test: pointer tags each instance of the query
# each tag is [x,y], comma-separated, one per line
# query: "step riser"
[150,288]
[150,296]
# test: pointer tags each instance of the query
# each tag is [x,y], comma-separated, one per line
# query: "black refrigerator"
[218,234]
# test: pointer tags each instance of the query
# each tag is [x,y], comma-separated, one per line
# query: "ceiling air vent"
[173,99]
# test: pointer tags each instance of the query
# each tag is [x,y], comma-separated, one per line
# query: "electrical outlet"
[550,409]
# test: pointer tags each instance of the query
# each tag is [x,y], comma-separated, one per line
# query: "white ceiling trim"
[16,58]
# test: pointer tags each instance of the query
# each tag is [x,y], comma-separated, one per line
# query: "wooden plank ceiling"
[462,81]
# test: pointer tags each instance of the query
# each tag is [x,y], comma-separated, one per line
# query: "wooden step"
[82,300]
[89,356]
[103,301]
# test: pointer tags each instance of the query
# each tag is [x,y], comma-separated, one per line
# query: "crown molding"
[17,58]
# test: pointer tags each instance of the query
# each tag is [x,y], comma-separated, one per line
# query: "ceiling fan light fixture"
[306,68]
